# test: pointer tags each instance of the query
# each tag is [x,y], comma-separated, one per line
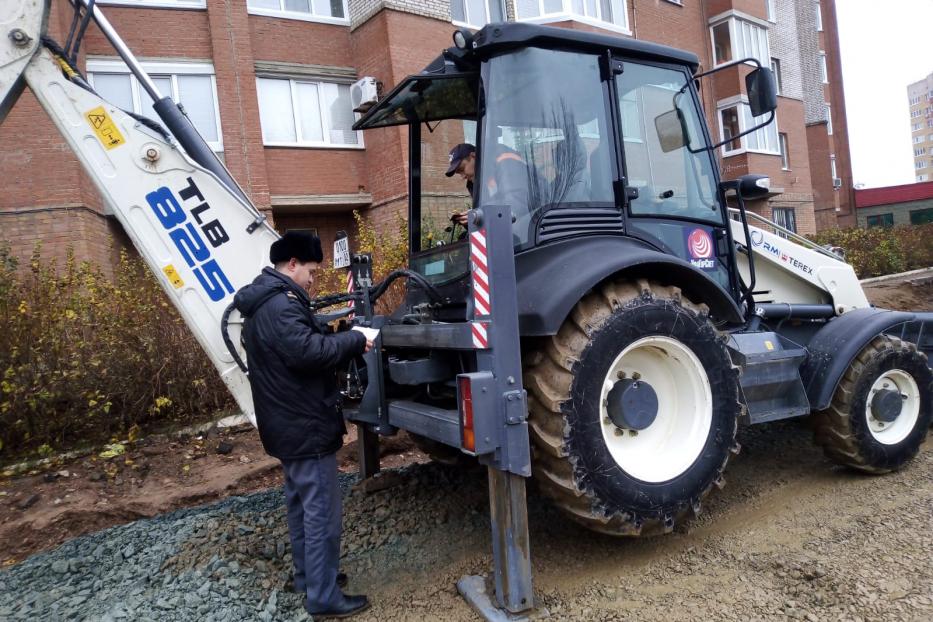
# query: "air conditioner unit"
[837,183]
[364,94]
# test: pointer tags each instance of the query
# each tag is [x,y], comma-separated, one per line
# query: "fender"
[837,344]
[554,277]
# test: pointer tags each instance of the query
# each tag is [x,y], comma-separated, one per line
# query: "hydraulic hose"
[224,323]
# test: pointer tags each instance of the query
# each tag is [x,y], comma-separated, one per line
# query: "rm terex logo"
[187,239]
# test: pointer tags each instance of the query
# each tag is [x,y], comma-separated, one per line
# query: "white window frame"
[918,139]
[157,4]
[778,77]
[304,17]
[832,166]
[567,14]
[920,164]
[930,137]
[477,25]
[824,69]
[771,10]
[742,102]
[785,152]
[173,69]
[734,19]
[920,152]
[325,118]
[921,178]
[819,16]
[829,118]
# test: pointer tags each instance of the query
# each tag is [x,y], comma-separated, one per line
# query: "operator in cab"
[507,183]
[293,363]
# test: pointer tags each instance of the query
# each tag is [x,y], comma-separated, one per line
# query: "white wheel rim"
[672,443]
[893,432]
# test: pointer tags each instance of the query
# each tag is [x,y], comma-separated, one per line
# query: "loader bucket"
[22,25]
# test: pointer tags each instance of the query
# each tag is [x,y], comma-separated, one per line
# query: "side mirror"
[753,186]
[762,91]
[672,130]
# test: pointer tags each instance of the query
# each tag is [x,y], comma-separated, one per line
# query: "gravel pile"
[230,560]
[790,537]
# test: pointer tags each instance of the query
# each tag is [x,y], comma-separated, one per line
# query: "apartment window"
[191,84]
[771,8]
[785,154]
[306,114]
[881,220]
[735,118]
[920,164]
[918,139]
[930,137]
[776,70]
[824,73]
[929,123]
[832,167]
[921,216]
[919,152]
[476,13]
[785,217]
[915,113]
[921,177]
[737,38]
[610,12]
[829,119]
[916,126]
[819,16]
[328,11]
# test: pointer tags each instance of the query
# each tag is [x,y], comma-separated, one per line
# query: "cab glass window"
[663,142]
[546,141]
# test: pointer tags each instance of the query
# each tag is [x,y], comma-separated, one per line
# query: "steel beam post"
[510,546]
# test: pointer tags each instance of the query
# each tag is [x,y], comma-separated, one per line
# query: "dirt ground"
[785,511]
[47,506]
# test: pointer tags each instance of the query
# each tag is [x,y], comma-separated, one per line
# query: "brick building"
[920,96]
[267,82]
[910,204]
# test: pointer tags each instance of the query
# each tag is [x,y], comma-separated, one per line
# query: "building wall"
[387,39]
[920,100]
[900,211]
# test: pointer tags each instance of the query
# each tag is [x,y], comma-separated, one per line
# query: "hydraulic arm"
[194,227]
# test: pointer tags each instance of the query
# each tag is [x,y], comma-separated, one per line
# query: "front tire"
[631,473]
[861,428]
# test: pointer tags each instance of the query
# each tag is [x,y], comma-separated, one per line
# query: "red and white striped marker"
[351,304]
[480,335]
[482,300]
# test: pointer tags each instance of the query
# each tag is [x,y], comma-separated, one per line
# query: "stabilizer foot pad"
[474,590]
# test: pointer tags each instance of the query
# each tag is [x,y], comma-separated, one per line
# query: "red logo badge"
[700,244]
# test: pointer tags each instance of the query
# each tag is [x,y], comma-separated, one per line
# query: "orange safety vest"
[508,155]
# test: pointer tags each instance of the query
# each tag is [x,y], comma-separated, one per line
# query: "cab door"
[671,191]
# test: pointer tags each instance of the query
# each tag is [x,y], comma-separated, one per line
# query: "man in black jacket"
[292,364]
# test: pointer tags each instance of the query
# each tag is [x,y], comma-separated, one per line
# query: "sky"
[884,47]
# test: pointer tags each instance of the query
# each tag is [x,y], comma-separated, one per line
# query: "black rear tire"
[573,459]
[848,432]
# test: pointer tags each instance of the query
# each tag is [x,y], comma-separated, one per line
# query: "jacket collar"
[289,283]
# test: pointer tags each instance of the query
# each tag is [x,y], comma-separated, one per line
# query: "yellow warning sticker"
[769,345]
[104,127]
[173,277]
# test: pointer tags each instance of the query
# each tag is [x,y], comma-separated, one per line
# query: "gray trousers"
[312,498]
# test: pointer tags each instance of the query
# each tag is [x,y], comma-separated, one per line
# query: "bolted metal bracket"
[515,409]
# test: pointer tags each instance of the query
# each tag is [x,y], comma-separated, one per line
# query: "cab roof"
[496,38]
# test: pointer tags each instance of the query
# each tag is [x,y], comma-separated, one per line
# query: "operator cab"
[580,134]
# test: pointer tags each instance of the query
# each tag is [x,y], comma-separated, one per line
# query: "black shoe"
[349,606]
[290,584]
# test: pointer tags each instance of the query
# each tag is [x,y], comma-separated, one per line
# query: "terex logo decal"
[700,249]
[188,241]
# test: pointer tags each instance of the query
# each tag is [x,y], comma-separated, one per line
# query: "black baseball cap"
[301,245]
[457,155]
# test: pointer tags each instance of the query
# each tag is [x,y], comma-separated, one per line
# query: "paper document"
[371,333]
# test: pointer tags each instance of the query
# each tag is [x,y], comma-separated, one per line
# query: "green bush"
[84,358]
[883,250]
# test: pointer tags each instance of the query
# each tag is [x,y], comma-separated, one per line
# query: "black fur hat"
[301,245]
